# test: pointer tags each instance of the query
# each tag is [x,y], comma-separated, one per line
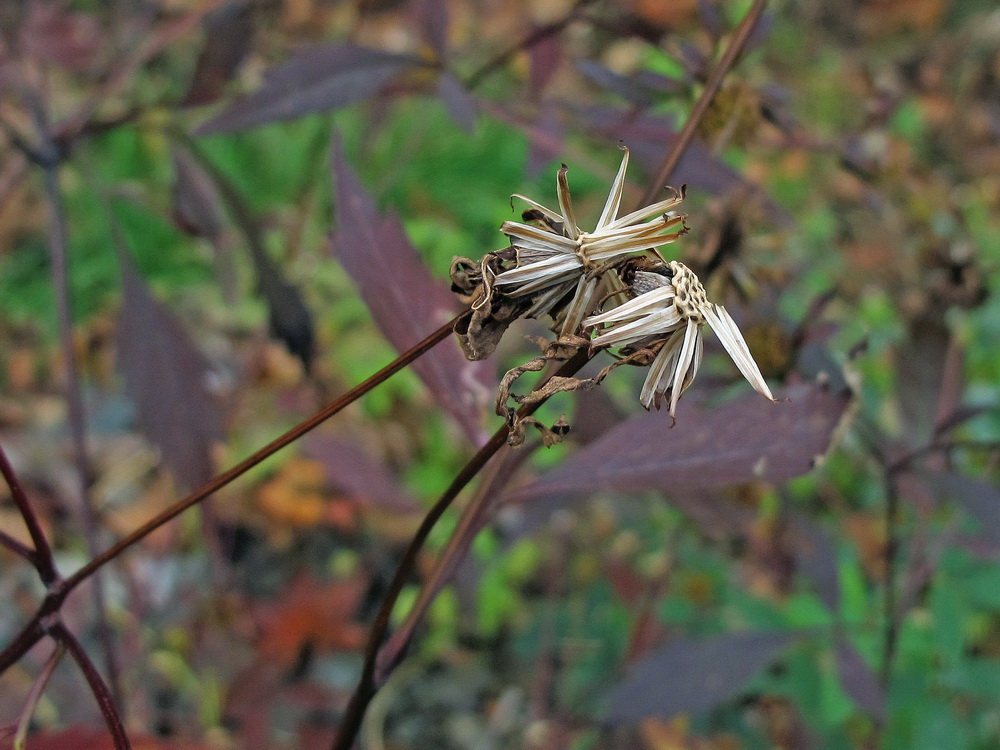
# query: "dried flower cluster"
[554,268]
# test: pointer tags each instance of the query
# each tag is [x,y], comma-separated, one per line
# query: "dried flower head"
[667,313]
[555,258]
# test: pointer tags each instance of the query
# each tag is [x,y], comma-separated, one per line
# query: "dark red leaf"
[740,441]
[460,103]
[315,80]
[859,680]
[356,472]
[229,33]
[167,378]
[692,675]
[405,301]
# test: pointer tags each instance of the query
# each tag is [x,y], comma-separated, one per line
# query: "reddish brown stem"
[98,687]
[268,450]
[41,557]
[367,685]
[728,59]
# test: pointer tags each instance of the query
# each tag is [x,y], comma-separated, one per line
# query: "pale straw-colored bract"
[557,258]
[673,307]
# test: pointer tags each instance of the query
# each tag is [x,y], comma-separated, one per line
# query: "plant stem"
[268,450]
[41,556]
[50,161]
[367,686]
[98,687]
[728,59]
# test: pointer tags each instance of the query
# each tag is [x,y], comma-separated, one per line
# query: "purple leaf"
[642,89]
[544,57]
[460,103]
[431,17]
[405,301]
[167,378]
[649,137]
[355,471]
[693,675]
[198,210]
[815,557]
[315,80]
[978,498]
[743,440]
[229,33]
[859,680]
[922,360]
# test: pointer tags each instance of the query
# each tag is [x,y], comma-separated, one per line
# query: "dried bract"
[666,313]
[558,266]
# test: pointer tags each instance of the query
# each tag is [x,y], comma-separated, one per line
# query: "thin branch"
[35,694]
[98,687]
[892,543]
[728,59]
[41,557]
[21,550]
[50,161]
[367,685]
[529,41]
[30,634]
[268,450]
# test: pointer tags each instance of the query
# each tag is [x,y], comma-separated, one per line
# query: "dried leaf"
[229,33]
[859,680]
[315,80]
[692,675]
[740,441]
[405,301]
[167,378]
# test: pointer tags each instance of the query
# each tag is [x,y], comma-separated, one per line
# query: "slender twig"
[892,543]
[33,631]
[105,701]
[35,694]
[21,550]
[41,557]
[268,450]
[30,634]
[538,35]
[367,685]
[50,159]
[729,56]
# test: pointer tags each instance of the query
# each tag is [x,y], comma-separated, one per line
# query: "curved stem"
[732,51]
[268,450]
[41,557]
[367,686]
